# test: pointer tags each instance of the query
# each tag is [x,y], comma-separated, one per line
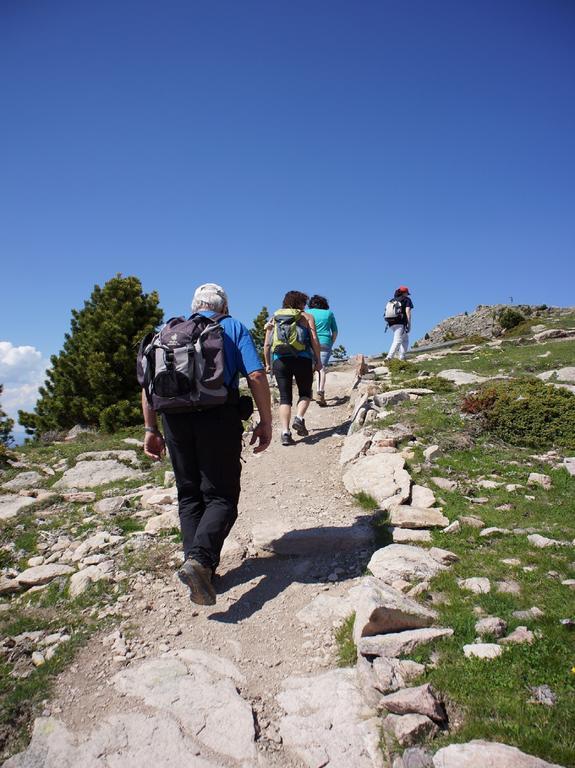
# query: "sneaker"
[198,578]
[320,399]
[287,439]
[300,427]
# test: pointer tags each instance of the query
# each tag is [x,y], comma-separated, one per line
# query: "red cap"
[403,289]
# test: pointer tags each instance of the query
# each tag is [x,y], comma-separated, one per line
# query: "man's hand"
[318,366]
[263,434]
[154,445]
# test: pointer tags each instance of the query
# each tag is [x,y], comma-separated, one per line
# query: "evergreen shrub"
[525,412]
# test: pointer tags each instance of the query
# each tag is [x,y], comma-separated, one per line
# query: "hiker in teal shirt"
[326,328]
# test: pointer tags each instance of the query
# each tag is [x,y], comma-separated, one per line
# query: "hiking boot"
[320,399]
[198,578]
[287,439]
[300,427]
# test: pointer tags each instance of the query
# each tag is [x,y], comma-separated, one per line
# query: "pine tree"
[6,425]
[258,331]
[340,353]
[92,381]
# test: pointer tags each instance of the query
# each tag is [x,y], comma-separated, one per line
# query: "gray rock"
[326,721]
[415,757]
[569,464]
[509,587]
[459,377]
[43,574]
[482,650]
[80,497]
[542,542]
[422,497]
[89,474]
[401,643]
[492,625]
[164,522]
[130,456]
[473,522]
[530,613]
[453,527]
[420,700]
[23,480]
[519,635]
[489,533]
[158,497]
[542,694]
[95,543]
[380,609]
[200,691]
[406,535]
[382,476]
[354,446]
[479,585]
[409,729]
[11,504]
[110,506]
[128,740]
[444,483]
[484,754]
[394,396]
[566,374]
[536,478]
[9,586]
[431,453]
[325,609]
[402,561]
[404,516]
[81,580]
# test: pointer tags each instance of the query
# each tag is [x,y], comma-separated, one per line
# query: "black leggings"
[285,369]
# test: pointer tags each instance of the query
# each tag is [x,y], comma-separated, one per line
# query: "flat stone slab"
[402,561]
[486,754]
[130,456]
[275,536]
[164,522]
[43,574]
[328,723]
[542,542]
[11,504]
[459,377]
[199,691]
[130,740]
[379,609]
[569,464]
[382,475]
[404,516]
[406,535]
[400,643]
[566,374]
[23,480]
[482,650]
[444,483]
[89,474]
[325,609]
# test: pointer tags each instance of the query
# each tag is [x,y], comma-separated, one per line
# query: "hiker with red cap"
[398,317]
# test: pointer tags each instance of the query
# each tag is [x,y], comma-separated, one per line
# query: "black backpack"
[181,367]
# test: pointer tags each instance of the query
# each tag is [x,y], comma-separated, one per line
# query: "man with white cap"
[205,447]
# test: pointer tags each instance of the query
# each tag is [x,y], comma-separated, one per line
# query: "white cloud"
[22,371]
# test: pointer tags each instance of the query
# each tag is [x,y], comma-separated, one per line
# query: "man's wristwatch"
[153,430]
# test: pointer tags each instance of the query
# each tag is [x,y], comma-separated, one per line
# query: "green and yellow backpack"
[288,335]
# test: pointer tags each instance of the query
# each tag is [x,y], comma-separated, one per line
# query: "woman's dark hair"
[294,300]
[318,302]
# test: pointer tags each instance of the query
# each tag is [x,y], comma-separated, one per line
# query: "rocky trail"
[254,680]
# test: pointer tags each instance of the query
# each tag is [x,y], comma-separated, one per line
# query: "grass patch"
[128,524]
[346,650]
[366,501]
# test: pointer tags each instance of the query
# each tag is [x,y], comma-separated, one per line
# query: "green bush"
[526,412]
[475,339]
[397,366]
[508,318]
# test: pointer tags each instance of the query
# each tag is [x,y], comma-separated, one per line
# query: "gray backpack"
[181,368]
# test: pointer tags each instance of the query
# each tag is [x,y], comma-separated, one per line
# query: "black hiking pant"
[205,449]
[286,369]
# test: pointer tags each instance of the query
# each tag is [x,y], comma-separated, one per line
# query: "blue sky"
[332,147]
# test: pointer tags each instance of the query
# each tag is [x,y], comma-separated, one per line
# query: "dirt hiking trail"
[298,538]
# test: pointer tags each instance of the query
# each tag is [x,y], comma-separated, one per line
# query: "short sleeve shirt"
[240,354]
[406,303]
[325,325]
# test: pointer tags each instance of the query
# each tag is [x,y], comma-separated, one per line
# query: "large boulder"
[382,476]
[379,609]
[420,700]
[43,574]
[403,561]
[23,480]
[11,504]
[89,474]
